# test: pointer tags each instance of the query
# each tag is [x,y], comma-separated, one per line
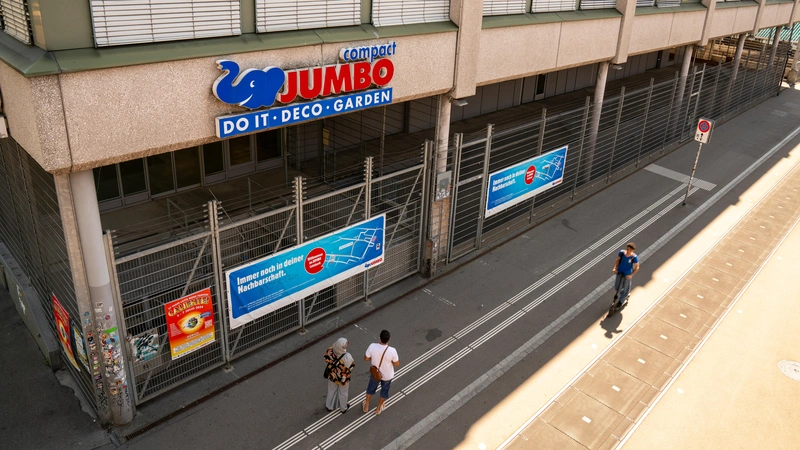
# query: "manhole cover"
[790,368]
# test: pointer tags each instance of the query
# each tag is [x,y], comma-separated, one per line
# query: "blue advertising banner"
[270,283]
[234,125]
[522,181]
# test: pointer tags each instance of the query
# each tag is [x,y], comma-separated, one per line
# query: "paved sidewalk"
[37,412]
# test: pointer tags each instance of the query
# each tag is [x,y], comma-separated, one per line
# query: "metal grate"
[16,20]
[121,22]
[405,12]
[282,15]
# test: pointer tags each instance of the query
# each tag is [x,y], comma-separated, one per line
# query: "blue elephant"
[252,89]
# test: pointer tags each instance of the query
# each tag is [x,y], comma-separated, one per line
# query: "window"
[552,5]
[16,21]
[598,4]
[404,12]
[281,15]
[503,7]
[120,22]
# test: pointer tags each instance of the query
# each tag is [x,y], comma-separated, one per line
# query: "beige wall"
[777,14]
[119,114]
[516,52]
[658,31]
[35,117]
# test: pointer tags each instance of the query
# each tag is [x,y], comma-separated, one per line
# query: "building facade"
[163,159]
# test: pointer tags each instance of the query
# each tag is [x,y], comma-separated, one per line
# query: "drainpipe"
[106,335]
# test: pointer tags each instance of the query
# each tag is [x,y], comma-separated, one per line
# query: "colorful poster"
[63,329]
[144,346]
[278,280]
[515,184]
[80,347]
[190,323]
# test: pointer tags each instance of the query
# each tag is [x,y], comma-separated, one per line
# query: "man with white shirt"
[385,359]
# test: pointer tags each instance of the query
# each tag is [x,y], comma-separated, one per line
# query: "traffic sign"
[703,132]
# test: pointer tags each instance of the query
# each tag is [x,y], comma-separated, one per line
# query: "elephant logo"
[252,88]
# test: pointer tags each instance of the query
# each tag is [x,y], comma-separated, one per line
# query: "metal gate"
[145,281]
[634,126]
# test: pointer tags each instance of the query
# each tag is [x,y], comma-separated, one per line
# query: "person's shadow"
[611,324]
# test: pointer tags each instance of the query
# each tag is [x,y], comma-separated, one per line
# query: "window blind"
[503,7]
[667,3]
[16,20]
[404,12]
[598,4]
[282,15]
[539,6]
[119,22]
[640,3]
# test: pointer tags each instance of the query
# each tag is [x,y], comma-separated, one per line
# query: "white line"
[324,421]
[677,176]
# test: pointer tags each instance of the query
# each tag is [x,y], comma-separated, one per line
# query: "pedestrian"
[383,361]
[625,267]
[340,365]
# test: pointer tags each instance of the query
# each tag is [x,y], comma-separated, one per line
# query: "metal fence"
[635,126]
[147,280]
[32,231]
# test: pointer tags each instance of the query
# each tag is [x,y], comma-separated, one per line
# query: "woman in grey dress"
[339,377]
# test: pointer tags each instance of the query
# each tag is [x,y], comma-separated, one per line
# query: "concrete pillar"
[468,15]
[684,75]
[107,337]
[775,40]
[737,57]
[442,133]
[628,10]
[85,309]
[711,7]
[587,159]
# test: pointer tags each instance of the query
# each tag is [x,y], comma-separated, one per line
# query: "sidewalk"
[37,412]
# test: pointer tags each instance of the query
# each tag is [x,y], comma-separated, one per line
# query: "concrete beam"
[468,15]
[712,7]
[628,10]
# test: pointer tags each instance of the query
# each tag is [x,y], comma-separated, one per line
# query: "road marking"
[587,420]
[615,388]
[663,337]
[640,360]
[679,177]
[683,315]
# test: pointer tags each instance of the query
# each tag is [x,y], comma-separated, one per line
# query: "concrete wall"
[516,52]
[776,14]
[119,114]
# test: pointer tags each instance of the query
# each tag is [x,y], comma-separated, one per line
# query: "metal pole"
[543,123]
[597,110]
[107,336]
[285,151]
[426,204]
[644,125]
[367,211]
[580,145]
[484,184]
[616,132]
[213,221]
[459,137]
[383,142]
[691,177]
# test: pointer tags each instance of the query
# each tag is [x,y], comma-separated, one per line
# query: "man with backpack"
[384,359]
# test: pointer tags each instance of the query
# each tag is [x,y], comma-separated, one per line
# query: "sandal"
[364,406]
[379,409]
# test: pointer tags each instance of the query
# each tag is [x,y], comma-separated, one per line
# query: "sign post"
[701,135]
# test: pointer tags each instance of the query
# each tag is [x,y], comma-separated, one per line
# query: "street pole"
[691,177]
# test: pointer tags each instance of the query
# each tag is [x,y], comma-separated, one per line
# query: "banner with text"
[190,322]
[270,283]
[515,184]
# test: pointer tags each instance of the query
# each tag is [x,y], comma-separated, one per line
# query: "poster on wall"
[270,283]
[80,347]
[144,346]
[520,182]
[190,323]
[63,329]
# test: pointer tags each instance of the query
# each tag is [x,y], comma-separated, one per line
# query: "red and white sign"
[703,132]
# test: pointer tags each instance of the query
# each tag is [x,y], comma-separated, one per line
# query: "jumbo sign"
[350,83]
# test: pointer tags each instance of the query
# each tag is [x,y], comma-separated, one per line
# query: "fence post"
[541,131]
[383,142]
[644,126]
[459,142]
[616,132]
[213,225]
[698,93]
[426,235]
[714,92]
[584,124]
[368,212]
[426,204]
[298,214]
[484,182]
[122,329]
[758,70]
[669,112]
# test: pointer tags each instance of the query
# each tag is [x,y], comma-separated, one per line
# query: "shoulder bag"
[375,370]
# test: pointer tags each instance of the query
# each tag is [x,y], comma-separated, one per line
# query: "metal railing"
[145,281]
[636,126]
